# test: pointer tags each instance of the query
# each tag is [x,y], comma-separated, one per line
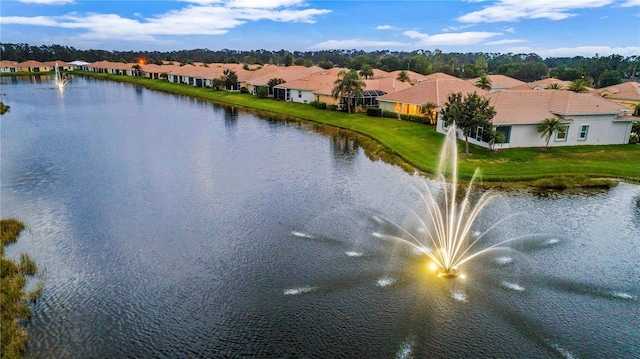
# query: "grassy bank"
[419,144]
[13,278]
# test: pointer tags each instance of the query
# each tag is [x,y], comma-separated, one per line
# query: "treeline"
[599,71]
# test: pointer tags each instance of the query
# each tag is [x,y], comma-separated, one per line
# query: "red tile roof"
[435,90]
[531,106]
[624,91]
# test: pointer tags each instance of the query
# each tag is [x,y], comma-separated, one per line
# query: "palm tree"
[348,85]
[554,86]
[578,85]
[548,127]
[366,71]
[429,109]
[483,82]
[403,76]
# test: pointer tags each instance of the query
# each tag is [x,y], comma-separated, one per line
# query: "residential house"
[434,88]
[8,66]
[304,90]
[61,65]
[586,119]
[626,94]
[33,66]
[288,74]
[499,82]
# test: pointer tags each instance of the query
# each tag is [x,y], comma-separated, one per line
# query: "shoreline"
[418,145]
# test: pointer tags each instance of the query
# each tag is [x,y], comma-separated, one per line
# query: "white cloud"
[213,19]
[515,10]
[631,3]
[48,2]
[510,29]
[506,42]
[355,44]
[385,27]
[462,38]
[456,28]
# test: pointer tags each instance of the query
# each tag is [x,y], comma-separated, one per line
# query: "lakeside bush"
[319,105]
[374,111]
[15,311]
[389,114]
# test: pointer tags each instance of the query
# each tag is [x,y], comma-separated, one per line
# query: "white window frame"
[584,129]
[566,134]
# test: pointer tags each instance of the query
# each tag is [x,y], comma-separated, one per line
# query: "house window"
[584,131]
[479,133]
[561,134]
[506,130]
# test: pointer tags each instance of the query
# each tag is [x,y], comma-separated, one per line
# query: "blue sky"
[550,28]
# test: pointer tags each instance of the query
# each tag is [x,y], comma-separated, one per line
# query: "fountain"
[445,233]
[61,79]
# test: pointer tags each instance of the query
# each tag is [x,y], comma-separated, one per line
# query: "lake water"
[169,227]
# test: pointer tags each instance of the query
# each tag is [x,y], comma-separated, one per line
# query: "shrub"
[414,118]
[262,92]
[318,104]
[374,111]
[389,114]
[634,138]
[332,107]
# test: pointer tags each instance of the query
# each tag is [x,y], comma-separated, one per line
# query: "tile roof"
[314,81]
[7,63]
[288,74]
[30,63]
[53,63]
[542,84]
[500,81]
[435,90]
[532,106]
[624,91]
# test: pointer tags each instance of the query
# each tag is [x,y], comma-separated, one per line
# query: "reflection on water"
[169,227]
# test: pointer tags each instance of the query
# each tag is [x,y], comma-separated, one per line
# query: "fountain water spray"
[446,235]
[61,79]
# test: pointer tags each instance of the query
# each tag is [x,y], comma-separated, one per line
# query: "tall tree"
[467,113]
[609,78]
[348,85]
[366,71]
[548,127]
[229,78]
[403,76]
[429,109]
[578,85]
[483,82]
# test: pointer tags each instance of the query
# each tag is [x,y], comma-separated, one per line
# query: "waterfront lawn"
[419,144]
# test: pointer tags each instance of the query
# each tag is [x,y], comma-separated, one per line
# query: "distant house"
[304,90]
[63,66]
[288,74]
[33,66]
[499,82]
[626,94]
[8,66]
[434,88]
[587,119]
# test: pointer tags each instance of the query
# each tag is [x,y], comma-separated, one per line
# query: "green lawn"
[419,144]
